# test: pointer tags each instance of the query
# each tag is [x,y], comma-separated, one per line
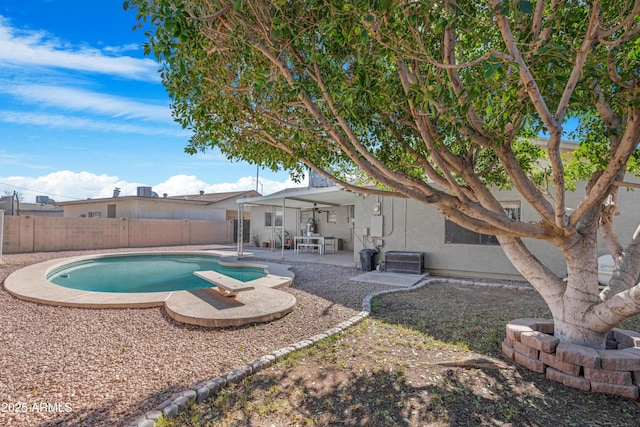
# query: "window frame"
[269,221]
[455,234]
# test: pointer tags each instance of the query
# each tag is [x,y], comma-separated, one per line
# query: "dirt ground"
[429,357]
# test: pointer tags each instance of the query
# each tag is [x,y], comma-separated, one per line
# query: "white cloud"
[61,185]
[68,122]
[179,185]
[68,185]
[190,184]
[83,100]
[37,48]
[124,48]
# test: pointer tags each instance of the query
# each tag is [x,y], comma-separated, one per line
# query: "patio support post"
[284,217]
[273,228]
[240,228]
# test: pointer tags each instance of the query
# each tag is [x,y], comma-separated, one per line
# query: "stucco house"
[148,205]
[361,221]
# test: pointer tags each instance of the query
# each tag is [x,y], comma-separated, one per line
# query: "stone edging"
[615,370]
[206,389]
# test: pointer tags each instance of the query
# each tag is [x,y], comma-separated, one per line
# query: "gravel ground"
[70,366]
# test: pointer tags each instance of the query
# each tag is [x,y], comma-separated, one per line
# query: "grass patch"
[393,369]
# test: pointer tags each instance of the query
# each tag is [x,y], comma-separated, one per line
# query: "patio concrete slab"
[399,280]
[338,258]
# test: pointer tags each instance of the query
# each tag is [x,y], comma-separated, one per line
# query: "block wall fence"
[25,234]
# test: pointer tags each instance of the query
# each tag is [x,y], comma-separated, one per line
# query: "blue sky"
[82,110]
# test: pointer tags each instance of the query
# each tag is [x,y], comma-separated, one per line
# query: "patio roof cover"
[302,198]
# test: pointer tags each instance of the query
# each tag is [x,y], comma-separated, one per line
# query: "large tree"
[436,101]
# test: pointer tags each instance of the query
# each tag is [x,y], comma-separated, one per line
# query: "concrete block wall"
[615,370]
[204,232]
[26,234]
[71,234]
[159,232]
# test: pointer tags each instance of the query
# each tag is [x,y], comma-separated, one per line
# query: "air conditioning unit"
[404,262]
[144,192]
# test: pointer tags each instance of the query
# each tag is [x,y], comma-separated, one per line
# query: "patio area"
[339,258]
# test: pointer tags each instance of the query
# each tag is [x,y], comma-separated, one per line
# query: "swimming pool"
[146,273]
[204,306]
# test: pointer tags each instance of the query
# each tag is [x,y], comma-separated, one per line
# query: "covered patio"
[307,204]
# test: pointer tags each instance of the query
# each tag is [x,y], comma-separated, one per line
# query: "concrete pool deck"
[202,307]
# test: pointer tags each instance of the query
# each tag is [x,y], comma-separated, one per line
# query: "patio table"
[314,242]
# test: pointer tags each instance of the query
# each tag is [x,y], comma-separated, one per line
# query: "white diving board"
[226,285]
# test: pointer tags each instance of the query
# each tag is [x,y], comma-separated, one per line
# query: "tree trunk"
[579,334]
[573,320]
[571,301]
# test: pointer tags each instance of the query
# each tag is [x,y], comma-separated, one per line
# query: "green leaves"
[271,82]
[490,67]
[525,6]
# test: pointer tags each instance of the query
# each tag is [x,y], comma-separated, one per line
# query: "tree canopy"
[439,101]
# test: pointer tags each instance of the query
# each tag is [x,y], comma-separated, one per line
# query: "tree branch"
[553,124]
[591,34]
[448,53]
[524,185]
[630,19]
[617,308]
[617,163]
[548,285]
[424,128]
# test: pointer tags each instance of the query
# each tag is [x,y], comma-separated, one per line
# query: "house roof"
[123,198]
[200,199]
[26,208]
[218,197]
[305,198]
[35,207]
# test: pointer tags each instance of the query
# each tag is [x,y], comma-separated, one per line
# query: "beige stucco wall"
[23,234]
[412,226]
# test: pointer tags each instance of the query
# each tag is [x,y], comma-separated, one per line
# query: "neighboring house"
[148,205]
[398,224]
[11,206]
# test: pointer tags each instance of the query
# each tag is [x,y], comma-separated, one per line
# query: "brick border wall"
[615,370]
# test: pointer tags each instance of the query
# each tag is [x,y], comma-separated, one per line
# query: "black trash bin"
[367,257]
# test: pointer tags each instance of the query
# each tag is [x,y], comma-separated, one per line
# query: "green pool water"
[146,273]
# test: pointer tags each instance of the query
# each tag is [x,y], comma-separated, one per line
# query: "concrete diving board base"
[226,285]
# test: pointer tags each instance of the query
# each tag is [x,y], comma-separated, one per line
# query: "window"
[268,220]
[457,234]
[95,214]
